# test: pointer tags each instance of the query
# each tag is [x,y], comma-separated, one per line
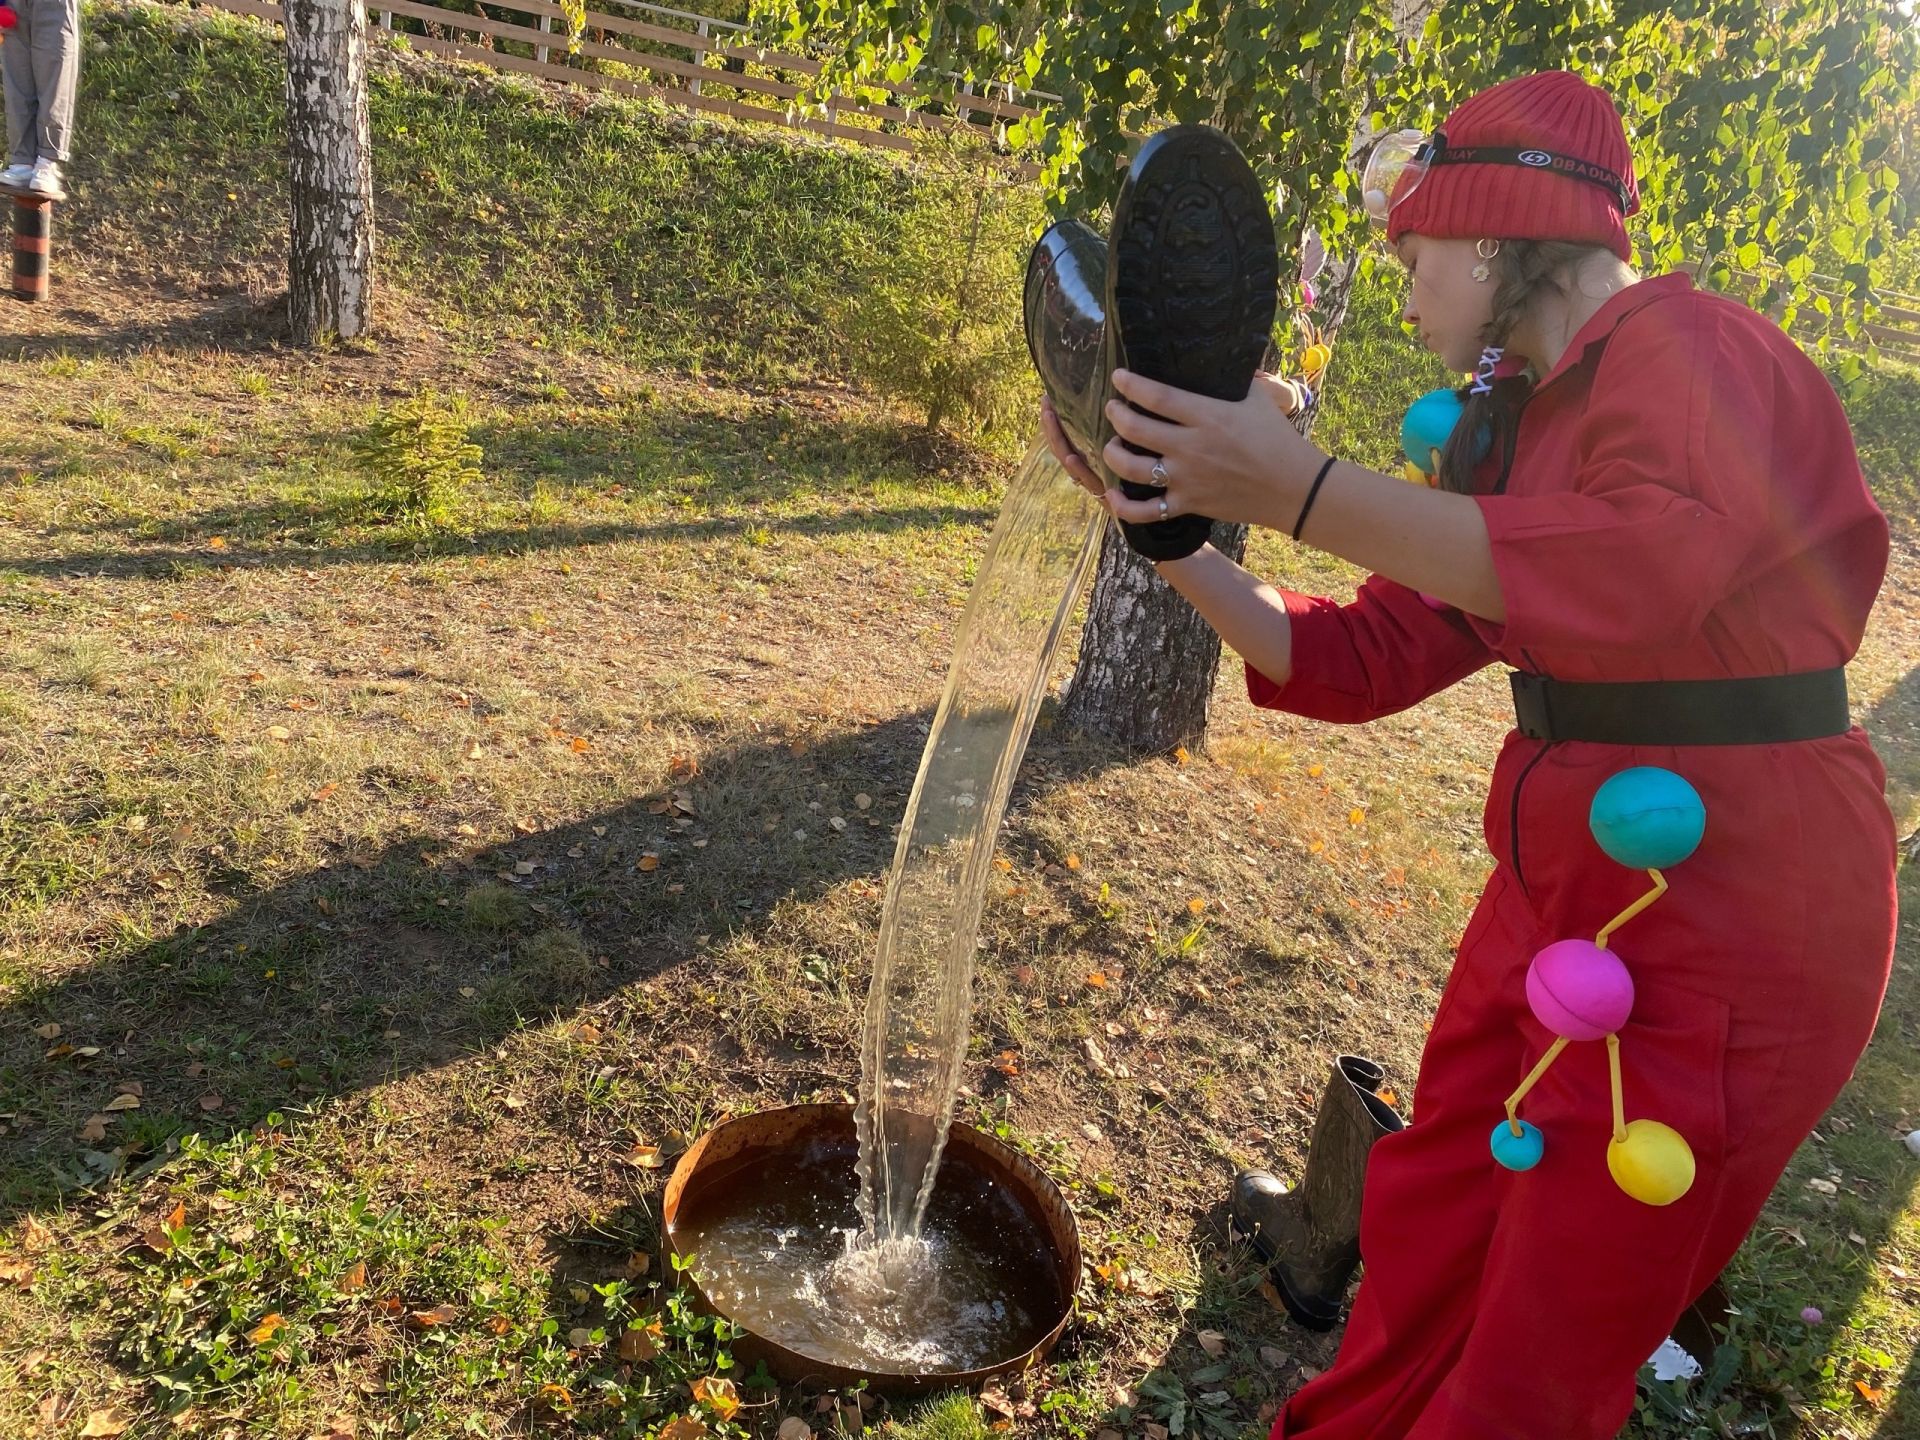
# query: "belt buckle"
[1532,706]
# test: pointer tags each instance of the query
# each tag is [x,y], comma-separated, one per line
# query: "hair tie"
[1488,369]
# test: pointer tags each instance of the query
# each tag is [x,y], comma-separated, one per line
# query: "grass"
[325,838]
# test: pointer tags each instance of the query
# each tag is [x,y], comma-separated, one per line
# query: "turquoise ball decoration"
[1648,818]
[1428,423]
[1518,1152]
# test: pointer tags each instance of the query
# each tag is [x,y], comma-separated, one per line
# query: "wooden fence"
[717,55]
[688,57]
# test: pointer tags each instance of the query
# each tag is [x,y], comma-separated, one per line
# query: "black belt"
[1764,710]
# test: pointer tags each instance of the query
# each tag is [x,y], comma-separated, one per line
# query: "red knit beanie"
[1555,114]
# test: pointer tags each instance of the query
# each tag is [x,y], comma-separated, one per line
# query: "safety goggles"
[1400,161]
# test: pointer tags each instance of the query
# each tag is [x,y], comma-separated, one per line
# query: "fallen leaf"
[1098,980]
[1315,771]
[123,1102]
[1388,1096]
[34,1235]
[794,1428]
[499,1324]
[266,1329]
[324,791]
[554,1397]
[1008,1062]
[1867,1393]
[645,1157]
[684,1427]
[1073,862]
[1180,755]
[104,1423]
[580,745]
[525,867]
[994,1400]
[212,1101]
[717,1395]
[580,1338]
[280,733]
[1213,1342]
[48,1031]
[638,1264]
[16,1272]
[356,1278]
[95,1129]
[34,1359]
[429,1319]
[640,1343]
[863,801]
[1196,905]
[389,1305]
[1154,1432]
[474,751]
[1274,1359]
[648,863]
[1356,816]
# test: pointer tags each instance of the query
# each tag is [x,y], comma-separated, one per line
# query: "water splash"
[915,1036]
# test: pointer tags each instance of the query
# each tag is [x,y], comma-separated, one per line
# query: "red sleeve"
[1385,651]
[1668,499]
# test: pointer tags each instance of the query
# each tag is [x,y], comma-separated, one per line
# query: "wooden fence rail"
[684,82]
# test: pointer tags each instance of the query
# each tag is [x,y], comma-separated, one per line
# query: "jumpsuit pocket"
[1673,1069]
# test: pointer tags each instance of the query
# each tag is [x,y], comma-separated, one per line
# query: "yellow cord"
[1659,889]
[1619,1099]
[1513,1100]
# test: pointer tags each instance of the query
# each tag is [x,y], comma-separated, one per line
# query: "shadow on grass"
[682,476]
[374,967]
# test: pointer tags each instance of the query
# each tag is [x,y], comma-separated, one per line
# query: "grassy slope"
[297,830]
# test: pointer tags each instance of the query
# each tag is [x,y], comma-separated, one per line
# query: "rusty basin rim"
[780,1128]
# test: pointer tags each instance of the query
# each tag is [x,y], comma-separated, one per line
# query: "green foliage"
[418,461]
[934,320]
[232,1300]
[1758,127]
[1883,403]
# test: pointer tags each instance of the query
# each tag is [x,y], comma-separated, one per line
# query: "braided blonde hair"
[1526,272]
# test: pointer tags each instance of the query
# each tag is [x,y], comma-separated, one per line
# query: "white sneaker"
[17,176]
[46,180]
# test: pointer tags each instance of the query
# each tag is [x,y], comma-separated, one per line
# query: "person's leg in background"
[21,98]
[55,43]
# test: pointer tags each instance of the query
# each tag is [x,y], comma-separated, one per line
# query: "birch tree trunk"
[330,160]
[1147,662]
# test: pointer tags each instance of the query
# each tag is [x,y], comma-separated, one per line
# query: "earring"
[1483,272]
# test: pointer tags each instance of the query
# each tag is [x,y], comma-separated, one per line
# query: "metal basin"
[1020,1210]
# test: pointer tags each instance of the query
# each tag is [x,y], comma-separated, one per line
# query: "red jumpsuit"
[1685,502]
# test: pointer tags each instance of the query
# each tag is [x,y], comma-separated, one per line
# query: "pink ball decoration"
[1580,991]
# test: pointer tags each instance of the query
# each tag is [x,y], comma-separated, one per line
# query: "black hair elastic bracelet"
[1312,494]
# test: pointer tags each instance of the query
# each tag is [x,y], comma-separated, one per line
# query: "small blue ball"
[1518,1152]
[1429,422]
[1648,818]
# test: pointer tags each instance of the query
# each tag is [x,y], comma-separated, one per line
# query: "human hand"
[1232,460]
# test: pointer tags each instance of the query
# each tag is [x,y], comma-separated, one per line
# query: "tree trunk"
[1147,660]
[330,155]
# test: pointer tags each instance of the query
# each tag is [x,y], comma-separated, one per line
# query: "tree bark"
[1148,662]
[330,160]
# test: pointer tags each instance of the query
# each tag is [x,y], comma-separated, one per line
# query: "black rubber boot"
[1193,281]
[1066,324]
[1310,1237]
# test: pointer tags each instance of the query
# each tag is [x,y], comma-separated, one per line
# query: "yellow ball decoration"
[1653,1164]
[1315,360]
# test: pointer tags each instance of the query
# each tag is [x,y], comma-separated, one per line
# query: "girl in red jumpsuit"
[1669,540]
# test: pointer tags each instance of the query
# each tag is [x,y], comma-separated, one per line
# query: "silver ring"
[1163,509]
[1159,472]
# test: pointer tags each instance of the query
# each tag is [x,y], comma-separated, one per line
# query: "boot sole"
[1193,274]
[1304,1310]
